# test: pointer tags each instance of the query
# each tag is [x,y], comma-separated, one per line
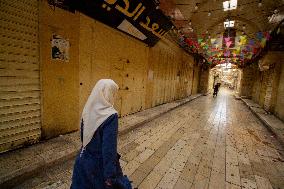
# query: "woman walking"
[97,165]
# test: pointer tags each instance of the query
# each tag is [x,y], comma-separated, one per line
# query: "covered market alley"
[168,58]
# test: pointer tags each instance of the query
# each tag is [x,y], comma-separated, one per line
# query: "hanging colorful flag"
[249,55]
[229,35]
[248,48]
[227,53]
[251,42]
[237,41]
[255,50]
[267,36]
[217,41]
[213,41]
[238,50]
[227,39]
[228,44]
[259,35]
[243,40]
[263,42]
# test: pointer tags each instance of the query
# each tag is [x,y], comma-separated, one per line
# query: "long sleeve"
[81,130]
[118,167]
[109,147]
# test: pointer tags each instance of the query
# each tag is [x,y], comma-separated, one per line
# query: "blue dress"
[99,161]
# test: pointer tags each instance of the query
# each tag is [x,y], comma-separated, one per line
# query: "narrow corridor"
[208,143]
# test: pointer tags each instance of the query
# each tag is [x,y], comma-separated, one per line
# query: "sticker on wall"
[60,48]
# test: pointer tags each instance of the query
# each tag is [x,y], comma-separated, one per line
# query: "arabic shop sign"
[137,18]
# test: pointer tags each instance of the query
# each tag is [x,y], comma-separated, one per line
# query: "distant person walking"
[97,165]
[216,89]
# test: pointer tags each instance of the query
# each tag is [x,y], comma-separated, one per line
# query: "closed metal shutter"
[20,110]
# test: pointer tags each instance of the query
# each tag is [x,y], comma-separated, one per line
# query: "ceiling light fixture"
[276,17]
[230,5]
[260,3]
[229,24]
[196,6]
[276,11]
[209,13]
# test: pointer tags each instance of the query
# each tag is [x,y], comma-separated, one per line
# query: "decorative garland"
[244,51]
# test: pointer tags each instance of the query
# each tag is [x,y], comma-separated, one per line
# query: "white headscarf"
[98,107]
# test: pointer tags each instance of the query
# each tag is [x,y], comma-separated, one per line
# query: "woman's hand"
[108,183]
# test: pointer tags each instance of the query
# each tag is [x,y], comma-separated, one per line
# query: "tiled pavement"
[271,121]
[18,165]
[208,143]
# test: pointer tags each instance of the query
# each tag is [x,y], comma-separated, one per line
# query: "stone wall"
[147,77]
[170,74]
[264,83]
[247,81]
[59,78]
[278,104]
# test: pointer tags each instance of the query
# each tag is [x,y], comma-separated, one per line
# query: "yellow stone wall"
[146,76]
[59,79]
[169,74]
[265,87]
[203,86]
[197,72]
[246,83]
[279,100]
[107,53]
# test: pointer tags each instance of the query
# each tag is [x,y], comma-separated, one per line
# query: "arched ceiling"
[199,17]
[248,14]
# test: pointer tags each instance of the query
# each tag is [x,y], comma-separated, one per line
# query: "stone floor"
[208,143]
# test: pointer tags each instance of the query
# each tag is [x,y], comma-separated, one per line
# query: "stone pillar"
[204,81]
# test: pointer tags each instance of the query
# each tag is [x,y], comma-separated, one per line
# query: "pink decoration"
[227,39]
[267,36]
[228,43]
